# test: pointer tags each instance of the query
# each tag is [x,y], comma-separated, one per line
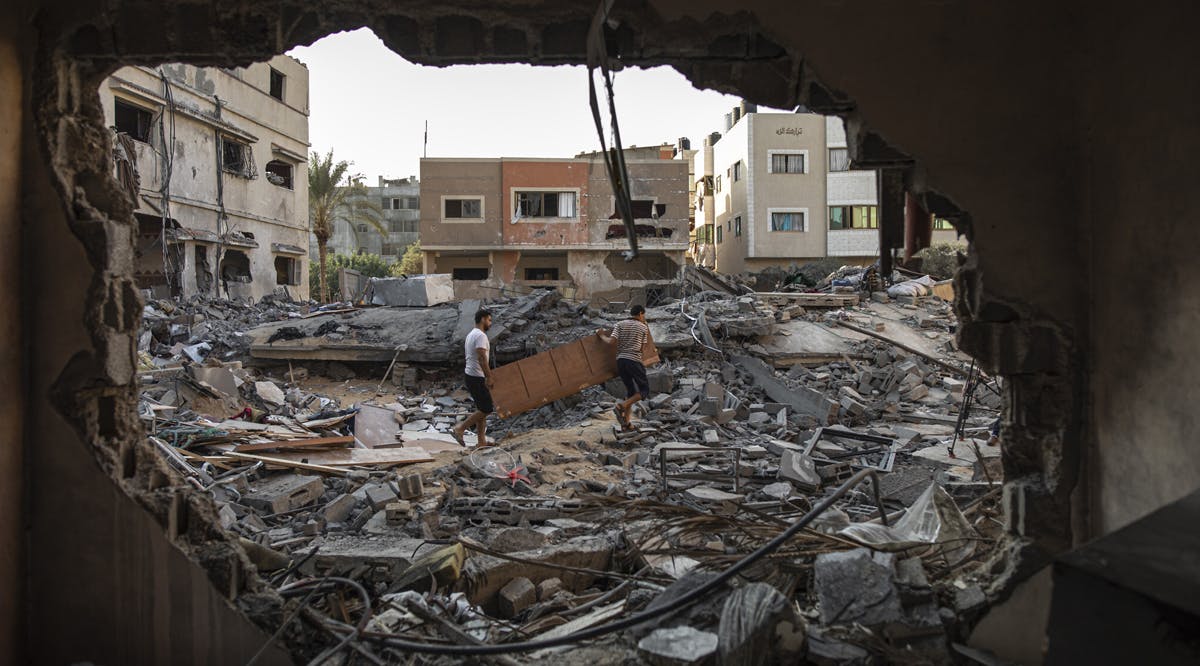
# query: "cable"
[649,614]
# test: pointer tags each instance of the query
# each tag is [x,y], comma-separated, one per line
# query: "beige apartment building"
[215,161]
[510,225]
[778,189]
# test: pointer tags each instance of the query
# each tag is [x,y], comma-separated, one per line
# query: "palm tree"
[327,199]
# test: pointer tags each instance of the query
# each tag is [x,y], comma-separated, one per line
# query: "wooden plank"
[558,373]
[351,457]
[285,445]
[281,462]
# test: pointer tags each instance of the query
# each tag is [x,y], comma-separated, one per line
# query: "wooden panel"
[558,373]
[351,457]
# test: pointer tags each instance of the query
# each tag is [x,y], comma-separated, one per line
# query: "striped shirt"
[631,335]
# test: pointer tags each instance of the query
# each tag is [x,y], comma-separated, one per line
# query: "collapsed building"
[214,162]
[1067,290]
[522,223]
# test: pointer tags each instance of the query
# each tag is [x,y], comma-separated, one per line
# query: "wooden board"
[555,374]
[294,444]
[353,457]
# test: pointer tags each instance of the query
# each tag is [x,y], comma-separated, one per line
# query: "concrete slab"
[801,342]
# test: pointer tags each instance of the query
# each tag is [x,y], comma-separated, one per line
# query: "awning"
[189,234]
[289,154]
[238,240]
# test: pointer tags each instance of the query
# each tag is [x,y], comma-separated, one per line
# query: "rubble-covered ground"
[380,531]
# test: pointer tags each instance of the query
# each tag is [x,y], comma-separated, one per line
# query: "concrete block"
[711,437]
[270,393]
[856,586]
[339,509]
[284,492]
[411,487]
[660,380]
[516,596]
[917,392]
[397,512]
[379,495]
[514,539]
[413,291]
[678,646]
[780,490]
[852,407]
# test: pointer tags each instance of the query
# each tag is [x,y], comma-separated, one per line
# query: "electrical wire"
[683,601]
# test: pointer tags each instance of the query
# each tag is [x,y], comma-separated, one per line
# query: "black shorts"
[634,376]
[477,387]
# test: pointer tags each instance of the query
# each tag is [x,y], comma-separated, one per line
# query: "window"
[839,159]
[718,183]
[787,163]
[853,217]
[704,233]
[737,226]
[362,226]
[287,270]
[463,208]
[720,234]
[412,203]
[236,158]
[279,173]
[132,120]
[541,273]
[277,78]
[942,224]
[736,171]
[391,204]
[403,226]
[789,221]
[544,204]
[469,273]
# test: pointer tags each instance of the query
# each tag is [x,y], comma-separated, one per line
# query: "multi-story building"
[215,161]
[400,202]
[521,223]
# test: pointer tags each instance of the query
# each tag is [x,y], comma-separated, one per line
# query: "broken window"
[469,273]
[787,221]
[287,270]
[643,209]
[279,173]
[277,79]
[839,159]
[541,274]
[464,208]
[942,224]
[132,120]
[545,204]
[237,158]
[787,163]
[235,267]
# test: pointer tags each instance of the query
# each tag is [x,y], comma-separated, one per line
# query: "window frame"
[945,224]
[771,212]
[247,168]
[271,83]
[802,152]
[829,157]
[462,197]
[290,183]
[294,271]
[850,216]
[149,113]
[514,200]
[720,234]
[736,171]
[737,226]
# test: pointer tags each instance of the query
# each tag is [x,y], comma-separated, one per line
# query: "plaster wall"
[730,198]
[545,176]
[449,177]
[766,192]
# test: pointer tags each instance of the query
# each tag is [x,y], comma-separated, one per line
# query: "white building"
[399,199]
[218,175]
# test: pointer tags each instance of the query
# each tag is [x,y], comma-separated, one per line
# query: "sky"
[370,106]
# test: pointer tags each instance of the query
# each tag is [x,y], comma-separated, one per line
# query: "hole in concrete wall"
[235,267]
[647,266]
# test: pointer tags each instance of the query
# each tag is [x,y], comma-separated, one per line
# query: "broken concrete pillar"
[515,597]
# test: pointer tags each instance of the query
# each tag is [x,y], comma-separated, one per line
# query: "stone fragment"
[852,407]
[711,436]
[780,490]
[678,646]
[513,539]
[917,392]
[411,487]
[969,598]
[548,588]
[339,509]
[759,626]
[270,393]
[759,417]
[516,596]
[706,494]
[857,586]
[379,495]
[660,380]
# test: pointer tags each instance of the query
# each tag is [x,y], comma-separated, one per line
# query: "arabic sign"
[790,130]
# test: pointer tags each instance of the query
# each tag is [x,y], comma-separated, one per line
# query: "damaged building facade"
[225,210]
[399,211]
[519,223]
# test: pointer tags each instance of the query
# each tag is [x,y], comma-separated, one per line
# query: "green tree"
[328,197]
[940,260]
[411,262]
[370,265]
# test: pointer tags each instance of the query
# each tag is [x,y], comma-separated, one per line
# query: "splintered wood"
[558,373]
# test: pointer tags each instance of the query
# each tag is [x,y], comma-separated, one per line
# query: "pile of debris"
[811,479]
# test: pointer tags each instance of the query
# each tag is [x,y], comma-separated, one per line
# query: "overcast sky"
[370,105]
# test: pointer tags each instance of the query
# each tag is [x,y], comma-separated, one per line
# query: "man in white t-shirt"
[478,378]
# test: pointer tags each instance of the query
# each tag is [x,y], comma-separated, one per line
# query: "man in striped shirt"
[630,335]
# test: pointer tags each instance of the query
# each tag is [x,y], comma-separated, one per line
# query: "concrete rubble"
[330,454]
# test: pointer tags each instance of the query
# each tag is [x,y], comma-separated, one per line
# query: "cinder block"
[398,512]
[516,596]
[338,510]
[411,486]
[378,495]
[284,493]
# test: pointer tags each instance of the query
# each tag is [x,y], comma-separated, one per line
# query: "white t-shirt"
[476,339]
